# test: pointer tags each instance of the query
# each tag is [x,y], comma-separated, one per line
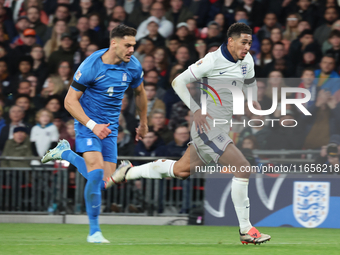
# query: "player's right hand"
[101,130]
[201,121]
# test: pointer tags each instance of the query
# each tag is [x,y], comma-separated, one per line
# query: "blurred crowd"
[296,43]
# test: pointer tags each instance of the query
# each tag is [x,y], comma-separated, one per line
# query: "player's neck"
[231,53]
[109,57]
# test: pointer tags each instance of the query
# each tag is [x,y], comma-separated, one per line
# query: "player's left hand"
[141,131]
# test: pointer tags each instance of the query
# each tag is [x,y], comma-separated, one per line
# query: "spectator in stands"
[153,102]
[83,28]
[322,32]
[277,36]
[283,136]
[292,32]
[151,145]
[329,154]
[226,7]
[107,11]
[146,47]
[309,60]
[125,143]
[7,23]
[25,66]
[178,146]
[44,135]
[262,98]
[249,142]
[79,55]
[179,113]
[214,34]
[24,101]
[258,129]
[54,85]
[254,8]
[33,14]
[24,87]
[153,33]
[120,14]
[326,73]
[265,56]
[54,43]
[219,19]
[29,40]
[61,126]
[308,82]
[71,133]
[323,121]
[334,40]
[165,26]
[270,22]
[39,5]
[140,13]
[18,146]
[129,118]
[5,79]
[275,81]
[96,26]
[21,25]
[62,12]
[148,63]
[112,24]
[192,27]
[161,62]
[85,8]
[307,11]
[182,31]
[183,56]
[64,53]
[16,116]
[201,48]
[172,46]
[178,13]
[34,84]
[65,73]
[159,126]
[278,53]
[326,45]
[39,67]
[90,49]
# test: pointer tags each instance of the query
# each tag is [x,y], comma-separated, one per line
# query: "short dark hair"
[306,32]
[63,5]
[22,95]
[236,29]
[278,43]
[122,30]
[334,33]
[150,84]
[311,69]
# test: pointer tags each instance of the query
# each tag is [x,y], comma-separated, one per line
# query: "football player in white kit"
[233,64]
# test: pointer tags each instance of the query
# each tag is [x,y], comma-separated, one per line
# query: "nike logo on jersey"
[223,72]
[99,77]
[93,206]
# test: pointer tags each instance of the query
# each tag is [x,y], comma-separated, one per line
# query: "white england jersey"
[219,67]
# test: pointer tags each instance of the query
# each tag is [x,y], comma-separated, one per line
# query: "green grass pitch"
[158,240]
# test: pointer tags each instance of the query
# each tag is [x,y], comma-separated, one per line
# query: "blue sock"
[79,163]
[93,197]
[75,160]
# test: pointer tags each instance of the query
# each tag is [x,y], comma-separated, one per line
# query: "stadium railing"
[51,189]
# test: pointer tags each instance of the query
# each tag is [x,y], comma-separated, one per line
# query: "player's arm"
[73,106]
[201,68]
[142,107]
[250,86]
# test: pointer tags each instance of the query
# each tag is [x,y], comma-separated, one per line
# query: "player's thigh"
[109,169]
[94,160]
[233,156]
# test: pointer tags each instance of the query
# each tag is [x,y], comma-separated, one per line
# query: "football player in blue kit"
[94,100]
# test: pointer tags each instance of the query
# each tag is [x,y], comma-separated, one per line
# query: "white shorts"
[210,149]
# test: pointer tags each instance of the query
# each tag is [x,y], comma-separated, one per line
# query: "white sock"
[239,195]
[153,170]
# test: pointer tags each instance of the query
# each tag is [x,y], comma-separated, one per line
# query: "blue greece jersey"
[103,88]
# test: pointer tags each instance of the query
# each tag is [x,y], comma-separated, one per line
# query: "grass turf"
[158,240]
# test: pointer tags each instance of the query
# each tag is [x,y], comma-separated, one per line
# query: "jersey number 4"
[110,91]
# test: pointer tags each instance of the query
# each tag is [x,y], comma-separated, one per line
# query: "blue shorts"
[107,146]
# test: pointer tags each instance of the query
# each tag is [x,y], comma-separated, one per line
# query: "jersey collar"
[226,53]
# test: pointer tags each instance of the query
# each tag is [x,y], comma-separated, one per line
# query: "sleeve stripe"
[192,72]
[249,81]
[78,86]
